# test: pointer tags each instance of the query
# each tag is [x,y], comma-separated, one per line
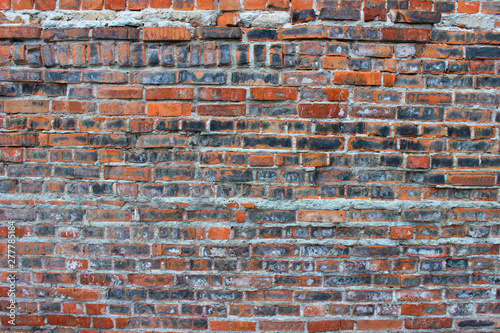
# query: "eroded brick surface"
[279,166]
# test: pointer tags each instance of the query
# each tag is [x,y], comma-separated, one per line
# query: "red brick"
[254,4]
[45,4]
[12,155]
[69,4]
[491,7]
[219,233]
[169,93]
[4,4]
[469,7]
[79,294]
[418,162]
[162,4]
[401,232]
[216,325]
[221,94]
[92,4]
[307,32]
[322,111]
[277,5]
[302,4]
[26,106]
[271,94]
[283,326]
[127,173]
[471,179]
[229,5]
[405,34]
[323,326]
[115,4]
[183,4]
[102,322]
[321,216]
[138,4]
[22,4]
[166,33]
[221,110]
[428,98]
[423,309]
[335,62]
[358,78]
[379,325]
[54,140]
[228,20]
[169,109]
[128,92]
[206,5]
[428,323]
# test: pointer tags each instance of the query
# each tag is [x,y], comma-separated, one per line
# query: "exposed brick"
[252,169]
[166,33]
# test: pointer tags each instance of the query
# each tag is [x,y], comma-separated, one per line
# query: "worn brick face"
[250,166]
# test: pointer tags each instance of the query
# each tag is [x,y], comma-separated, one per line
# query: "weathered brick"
[255,164]
[166,33]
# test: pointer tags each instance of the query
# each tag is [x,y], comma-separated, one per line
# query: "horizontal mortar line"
[309,204]
[298,242]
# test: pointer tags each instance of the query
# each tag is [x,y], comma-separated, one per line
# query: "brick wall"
[304,166]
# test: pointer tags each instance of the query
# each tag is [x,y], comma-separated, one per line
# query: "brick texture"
[313,171]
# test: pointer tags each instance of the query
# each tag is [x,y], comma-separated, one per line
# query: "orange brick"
[22,4]
[219,233]
[127,173]
[138,4]
[161,4]
[254,4]
[302,4]
[469,7]
[358,78]
[166,33]
[401,232]
[389,80]
[335,62]
[262,159]
[228,20]
[332,216]
[167,109]
[206,4]
[115,4]
[273,94]
[418,162]
[169,93]
[225,325]
[380,325]
[127,92]
[92,4]
[278,4]
[45,4]
[229,5]
[33,106]
[471,179]
[12,155]
[4,4]
[421,5]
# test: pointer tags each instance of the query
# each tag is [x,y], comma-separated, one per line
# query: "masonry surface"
[269,166]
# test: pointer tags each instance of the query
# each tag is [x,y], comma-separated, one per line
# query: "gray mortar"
[265,19]
[258,19]
[469,21]
[327,204]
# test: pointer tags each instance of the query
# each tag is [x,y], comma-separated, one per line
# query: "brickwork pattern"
[339,172]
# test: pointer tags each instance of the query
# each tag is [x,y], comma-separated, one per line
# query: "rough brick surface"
[269,166]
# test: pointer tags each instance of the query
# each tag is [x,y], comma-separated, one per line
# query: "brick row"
[179,34]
